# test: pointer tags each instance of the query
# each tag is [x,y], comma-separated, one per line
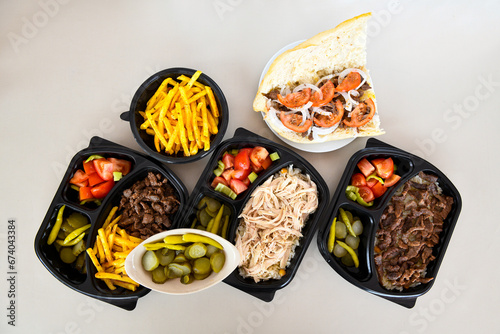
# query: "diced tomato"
[366,194]
[365,167]
[121,165]
[371,182]
[258,155]
[332,119]
[228,160]
[217,180]
[257,170]
[104,168]
[267,162]
[378,189]
[95,179]
[240,174]
[79,177]
[297,99]
[358,180]
[85,193]
[246,182]
[242,159]
[101,190]
[237,186]
[88,167]
[392,180]
[228,174]
[385,168]
[377,161]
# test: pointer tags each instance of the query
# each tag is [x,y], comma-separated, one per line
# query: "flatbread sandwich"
[321,90]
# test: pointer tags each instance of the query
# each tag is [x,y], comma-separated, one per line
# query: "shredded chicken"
[271,223]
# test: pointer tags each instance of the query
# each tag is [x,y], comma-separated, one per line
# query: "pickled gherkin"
[198,258]
[209,218]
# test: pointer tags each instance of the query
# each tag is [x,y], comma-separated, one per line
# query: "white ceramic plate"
[134,269]
[314,147]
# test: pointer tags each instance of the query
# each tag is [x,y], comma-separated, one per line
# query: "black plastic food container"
[365,276]
[65,273]
[147,90]
[263,290]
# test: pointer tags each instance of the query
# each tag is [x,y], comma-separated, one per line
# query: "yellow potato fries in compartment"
[181,115]
[111,247]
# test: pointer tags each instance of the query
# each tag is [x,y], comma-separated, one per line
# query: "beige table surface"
[69,68]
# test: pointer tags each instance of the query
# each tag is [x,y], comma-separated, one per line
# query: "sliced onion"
[326,77]
[273,119]
[304,86]
[285,91]
[316,132]
[344,73]
[349,102]
[321,111]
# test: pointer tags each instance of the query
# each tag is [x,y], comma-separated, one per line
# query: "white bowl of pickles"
[182,261]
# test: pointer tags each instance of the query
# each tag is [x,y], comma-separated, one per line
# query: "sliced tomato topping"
[101,190]
[366,194]
[365,167]
[258,155]
[79,177]
[294,122]
[242,159]
[392,180]
[237,186]
[378,189]
[95,179]
[88,167]
[121,165]
[327,92]
[240,174]
[85,193]
[385,168]
[350,82]
[358,180]
[217,180]
[228,160]
[295,100]
[332,119]
[362,114]
[104,168]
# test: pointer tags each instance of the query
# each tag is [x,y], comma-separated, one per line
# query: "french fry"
[116,277]
[182,115]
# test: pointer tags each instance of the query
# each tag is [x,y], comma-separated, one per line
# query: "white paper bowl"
[134,269]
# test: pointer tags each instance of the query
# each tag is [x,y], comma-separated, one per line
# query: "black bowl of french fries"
[178,115]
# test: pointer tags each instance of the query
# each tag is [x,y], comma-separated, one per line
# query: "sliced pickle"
[66,254]
[150,261]
[217,261]
[165,256]
[201,266]
[159,275]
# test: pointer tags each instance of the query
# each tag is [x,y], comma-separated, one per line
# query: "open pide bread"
[303,71]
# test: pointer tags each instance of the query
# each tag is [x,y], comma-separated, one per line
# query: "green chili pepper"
[75,234]
[225,227]
[72,242]
[57,226]
[215,226]
[331,237]
[93,157]
[347,222]
[350,251]
[374,176]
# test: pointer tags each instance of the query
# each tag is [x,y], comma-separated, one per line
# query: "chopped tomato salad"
[98,177]
[238,168]
[372,180]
